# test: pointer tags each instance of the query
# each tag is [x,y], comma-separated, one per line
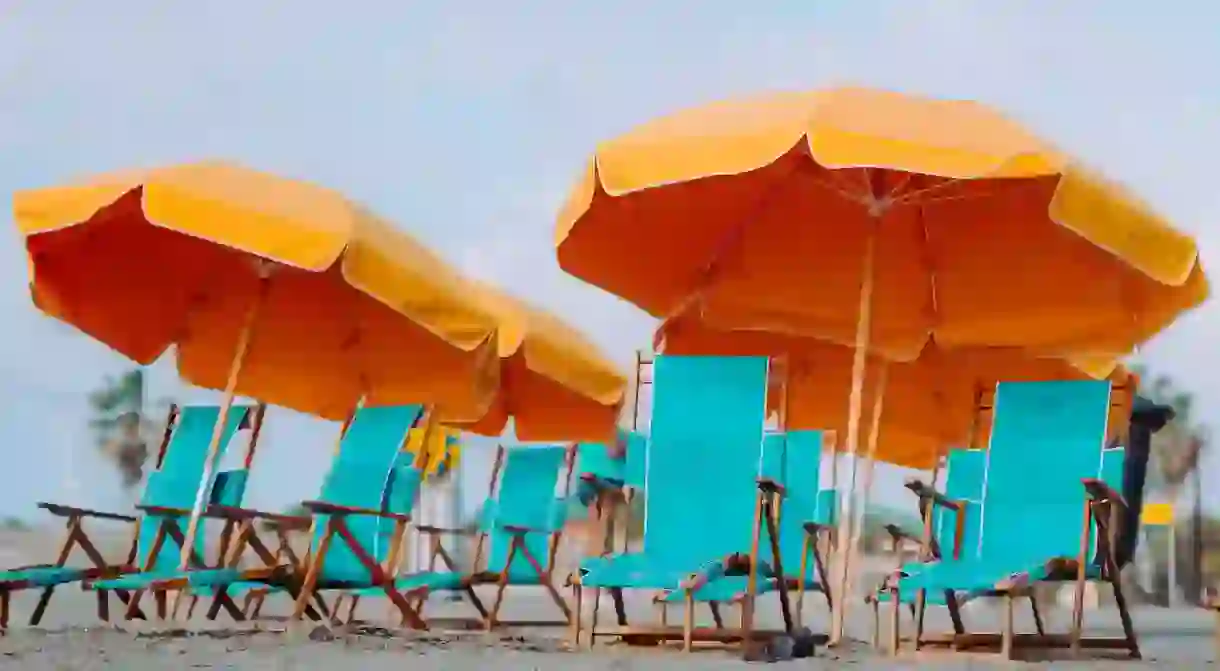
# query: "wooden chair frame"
[490,618]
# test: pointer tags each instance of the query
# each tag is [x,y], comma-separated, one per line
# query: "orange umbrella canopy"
[341,305]
[766,214]
[928,405]
[554,383]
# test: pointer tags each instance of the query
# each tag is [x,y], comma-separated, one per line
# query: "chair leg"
[574,625]
[103,605]
[895,625]
[161,597]
[5,595]
[688,622]
[310,582]
[44,600]
[1033,606]
[876,641]
[1006,634]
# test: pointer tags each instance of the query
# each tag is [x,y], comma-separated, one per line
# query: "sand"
[1170,638]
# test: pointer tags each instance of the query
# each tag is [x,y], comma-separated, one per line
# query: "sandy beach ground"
[72,640]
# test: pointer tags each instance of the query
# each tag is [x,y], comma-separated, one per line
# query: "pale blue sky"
[466,121]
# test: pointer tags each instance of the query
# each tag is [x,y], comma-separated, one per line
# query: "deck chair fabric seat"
[181,461]
[522,519]
[1047,437]
[184,459]
[703,461]
[43,576]
[965,472]
[597,469]
[370,471]
[793,460]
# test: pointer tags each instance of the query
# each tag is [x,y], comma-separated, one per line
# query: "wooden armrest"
[518,529]
[771,486]
[815,528]
[336,509]
[601,484]
[165,511]
[898,533]
[71,511]
[453,531]
[239,514]
[929,493]
[1098,490]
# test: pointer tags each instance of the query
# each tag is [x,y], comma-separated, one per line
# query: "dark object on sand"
[1146,419]
[798,644]
[321,634]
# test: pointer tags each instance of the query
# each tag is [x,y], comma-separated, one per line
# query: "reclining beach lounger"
[951,529]
[519,532]
[1048,439]
[792,461]
[702,487]
[165,512]
[180,458]
[365,501]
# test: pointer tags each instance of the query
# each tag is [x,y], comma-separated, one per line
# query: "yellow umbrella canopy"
[774,212]
[554,383]
[321,302]
[927,406]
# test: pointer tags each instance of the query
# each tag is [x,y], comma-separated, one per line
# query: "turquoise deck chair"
[358,520]
[520,525]
[363,508]
[597,470]
[965,472]
[702,465]
[792,460]
[181,455]
[1047,438]
[168,497]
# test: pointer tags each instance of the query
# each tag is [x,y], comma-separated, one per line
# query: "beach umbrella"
[875,220]
[265,287]
[555,384]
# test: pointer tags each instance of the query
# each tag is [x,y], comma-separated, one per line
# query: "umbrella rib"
[706,274]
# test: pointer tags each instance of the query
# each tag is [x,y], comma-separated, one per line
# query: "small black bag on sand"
[795,645]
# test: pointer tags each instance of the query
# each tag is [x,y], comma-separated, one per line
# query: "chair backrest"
[174,484]
[1046,437]
[370,470]
[594,460]
[1113,468]
[794,459]
[525,497]
[703,458]
[965,472]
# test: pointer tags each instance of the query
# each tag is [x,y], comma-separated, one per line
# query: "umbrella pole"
[226,403]
[855,400]
[874,437]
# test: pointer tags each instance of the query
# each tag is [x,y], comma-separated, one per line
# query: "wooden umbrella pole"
[226,403]
[855,400]
[874,438]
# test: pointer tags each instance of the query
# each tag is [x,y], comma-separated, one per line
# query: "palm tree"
[121,426]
